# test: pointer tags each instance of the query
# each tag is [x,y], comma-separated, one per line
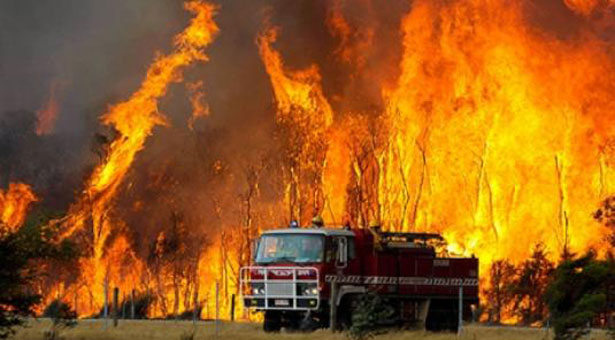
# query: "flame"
[294,88]
[587,7]
[354,43]
[14,204]
[47,115]
[304,111]
[134,120]
[197,99]
[495,134]
[490,149]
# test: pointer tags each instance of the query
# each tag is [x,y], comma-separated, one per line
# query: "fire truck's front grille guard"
[278,288]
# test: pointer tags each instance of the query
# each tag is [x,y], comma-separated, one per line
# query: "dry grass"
[172,330]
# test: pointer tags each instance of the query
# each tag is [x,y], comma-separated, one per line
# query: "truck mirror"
[342,252]
[254,249]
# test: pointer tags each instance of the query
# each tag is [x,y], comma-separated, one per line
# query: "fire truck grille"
[280,288]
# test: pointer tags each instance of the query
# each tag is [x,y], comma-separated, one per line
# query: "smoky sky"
[99,52]
[96,49]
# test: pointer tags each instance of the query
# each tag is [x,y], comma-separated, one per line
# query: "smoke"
[97,51]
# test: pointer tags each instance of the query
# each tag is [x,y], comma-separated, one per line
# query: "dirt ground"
[173,330]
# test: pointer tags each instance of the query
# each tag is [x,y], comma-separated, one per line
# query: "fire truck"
[306,278]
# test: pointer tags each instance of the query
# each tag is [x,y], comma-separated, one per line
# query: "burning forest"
[161,152]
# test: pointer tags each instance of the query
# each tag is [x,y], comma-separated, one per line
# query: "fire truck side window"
[331,249]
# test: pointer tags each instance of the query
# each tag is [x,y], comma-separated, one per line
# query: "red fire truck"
[304,278]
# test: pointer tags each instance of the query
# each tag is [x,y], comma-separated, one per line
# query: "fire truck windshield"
[298,248]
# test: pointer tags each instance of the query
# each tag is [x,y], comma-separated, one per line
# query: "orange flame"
[587,7]
[14,205]
[292,89]
[134,121]
[197,99]
[495,135]
[47,115]
[135,118]
[302,106]
[354,44]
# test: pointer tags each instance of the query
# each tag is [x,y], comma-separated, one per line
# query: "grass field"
[172,330]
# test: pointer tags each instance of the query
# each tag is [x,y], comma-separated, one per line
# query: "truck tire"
[272,323]
[308,325]
[346,309]
[442,316]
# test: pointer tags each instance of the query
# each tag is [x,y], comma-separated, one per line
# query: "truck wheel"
[292,323]
[272,323]
[308,325]
[442,316]
[346,309]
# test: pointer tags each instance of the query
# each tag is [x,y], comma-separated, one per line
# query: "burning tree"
[499,294]
[364,143]
[530,285]
[605,215]
[174,259]
[303,117]
[133,120]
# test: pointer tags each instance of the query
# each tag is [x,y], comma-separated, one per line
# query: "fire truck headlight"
[258,290]
[310,291]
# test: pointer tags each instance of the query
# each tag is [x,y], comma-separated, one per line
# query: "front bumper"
[258,302]
[282,288]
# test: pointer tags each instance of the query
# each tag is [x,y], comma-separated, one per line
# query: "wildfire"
[492,148]
[14,204]
[496,132]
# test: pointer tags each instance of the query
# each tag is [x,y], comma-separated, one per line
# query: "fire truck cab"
[299,274]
